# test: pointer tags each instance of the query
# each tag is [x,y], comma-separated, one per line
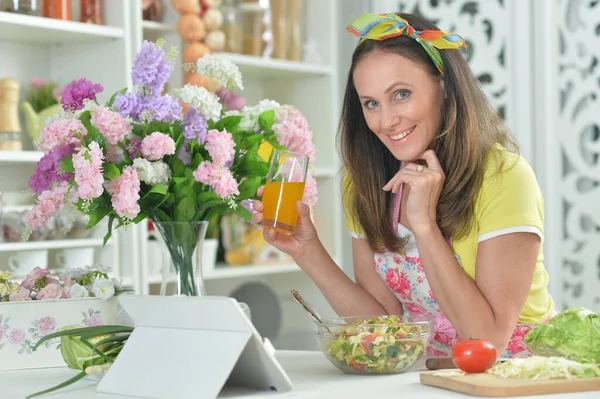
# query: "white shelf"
[55,244]
[152,26]
[21,156]
[26,28]
[224,272]
[271,67]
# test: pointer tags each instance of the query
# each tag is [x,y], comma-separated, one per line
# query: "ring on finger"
[420,168]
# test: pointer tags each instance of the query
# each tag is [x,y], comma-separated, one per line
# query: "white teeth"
[403,134]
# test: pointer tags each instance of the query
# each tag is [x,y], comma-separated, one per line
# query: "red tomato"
[474,355]
[368,342]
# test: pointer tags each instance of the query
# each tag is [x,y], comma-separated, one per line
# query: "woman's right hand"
[295,244]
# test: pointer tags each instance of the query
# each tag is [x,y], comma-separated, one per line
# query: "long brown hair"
[470,128]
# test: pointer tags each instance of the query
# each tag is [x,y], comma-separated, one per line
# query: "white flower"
[220,68]
[78,291]
[152,172]
[5,275]
[13,287]
[118,284]
[103,288]
[203,101]
[3,289]
[251,113]
[75,273]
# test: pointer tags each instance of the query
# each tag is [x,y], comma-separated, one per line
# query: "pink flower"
[46,325]
[415,309]
[226,186]
[114,154]
[58,92]
[310,190]
[61,132]
[111,124]
[94,320]
[220,146]
[51,291]
[405,289]
[39,273]
[157,145]
[392,278]
[294,132]
[17,336]
[37,83]
[48,203]
[125,193]
[88,171]
[20,296]
[218,177]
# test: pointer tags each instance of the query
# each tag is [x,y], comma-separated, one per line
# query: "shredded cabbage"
[544,368]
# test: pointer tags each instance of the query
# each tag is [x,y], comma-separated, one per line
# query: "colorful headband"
[386,26]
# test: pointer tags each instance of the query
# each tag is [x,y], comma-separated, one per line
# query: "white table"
[311,374]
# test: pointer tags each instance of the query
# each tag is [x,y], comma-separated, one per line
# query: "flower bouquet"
[140,155]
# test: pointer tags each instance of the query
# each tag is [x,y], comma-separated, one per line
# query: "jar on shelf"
[91,12]
[232,26]
[253,24]
[29,7]
[10,127]
[58,9]
[153,10]
[294,24]
[278,11]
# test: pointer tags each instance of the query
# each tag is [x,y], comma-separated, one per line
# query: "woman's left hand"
[425,184]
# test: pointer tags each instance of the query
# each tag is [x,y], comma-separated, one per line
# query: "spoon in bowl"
[298,298]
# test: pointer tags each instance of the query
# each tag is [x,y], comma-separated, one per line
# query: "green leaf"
[252,140]
[249,187]
[160,216]
[273,141]
[266,120]
[243,212]
[228,123]
[111,220]
[141,216]
[70,381]
[97,216]
[111,171]
[179,180]
[185,210]
[178,168]
[158,189]
[66,164]
[112,98]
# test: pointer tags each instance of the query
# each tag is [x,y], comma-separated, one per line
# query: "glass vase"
[182,264]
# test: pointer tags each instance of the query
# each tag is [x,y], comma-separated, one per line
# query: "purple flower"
[77,91]
[152,68]
[184,153]
[47,325]
[195,126]
[94,320]
[164,108]
[133,148]
[128,105]
[48,169]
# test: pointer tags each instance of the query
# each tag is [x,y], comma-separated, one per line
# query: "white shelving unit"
[66,50]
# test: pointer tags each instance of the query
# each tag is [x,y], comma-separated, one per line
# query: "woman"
[446,217]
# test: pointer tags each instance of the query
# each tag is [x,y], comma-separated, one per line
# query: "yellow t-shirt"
[510,200]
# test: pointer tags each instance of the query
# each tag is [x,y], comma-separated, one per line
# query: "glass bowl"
[374,344]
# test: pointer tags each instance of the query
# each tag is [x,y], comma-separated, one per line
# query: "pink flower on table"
[220,146]
[111,125]
[61,132]
[125,192]
[46,325]
[51,291]
[94,320]
[88,171]
[20,296]
[157,145]
[17,336]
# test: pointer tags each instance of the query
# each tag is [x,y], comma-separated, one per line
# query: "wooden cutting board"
[486,385]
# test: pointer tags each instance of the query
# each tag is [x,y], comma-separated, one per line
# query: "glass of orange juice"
[285,186]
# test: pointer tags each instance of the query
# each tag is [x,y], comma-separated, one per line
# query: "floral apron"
[406,278]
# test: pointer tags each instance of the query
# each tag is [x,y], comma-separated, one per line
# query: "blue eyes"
[399,95]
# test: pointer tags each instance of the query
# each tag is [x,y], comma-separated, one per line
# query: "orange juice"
[279,200]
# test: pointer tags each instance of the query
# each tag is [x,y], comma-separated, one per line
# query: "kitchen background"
[536,59]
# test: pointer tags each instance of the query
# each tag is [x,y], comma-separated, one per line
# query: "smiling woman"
[446,216]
